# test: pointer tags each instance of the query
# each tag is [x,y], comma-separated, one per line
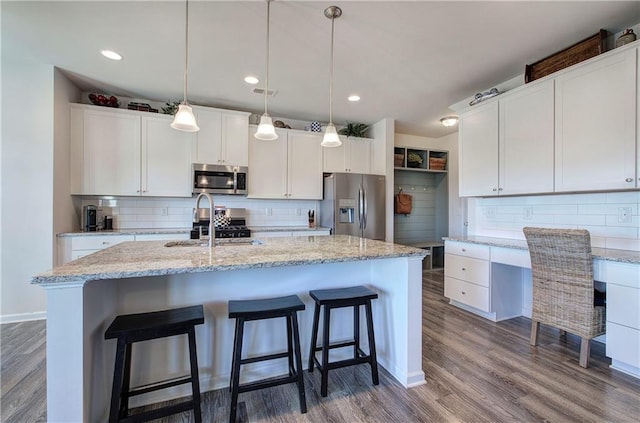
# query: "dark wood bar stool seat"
[269,308]
[338,298]
[132,328]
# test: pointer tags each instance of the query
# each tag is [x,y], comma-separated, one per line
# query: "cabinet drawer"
[622,344]
[467,269]
[466,249]
[467,293]
[98,242]
[623,305]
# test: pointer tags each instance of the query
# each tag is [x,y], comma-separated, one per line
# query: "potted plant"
[354,130]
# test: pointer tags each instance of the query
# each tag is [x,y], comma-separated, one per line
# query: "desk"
[491,277]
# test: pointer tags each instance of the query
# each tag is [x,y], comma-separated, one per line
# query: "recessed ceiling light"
[251,80]
[111,55]
[354,97]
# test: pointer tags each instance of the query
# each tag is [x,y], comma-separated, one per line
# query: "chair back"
[562,271]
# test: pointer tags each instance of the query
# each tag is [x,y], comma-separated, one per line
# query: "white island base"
[80,362]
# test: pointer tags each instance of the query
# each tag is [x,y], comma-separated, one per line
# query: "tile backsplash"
[152,213]
[611,218]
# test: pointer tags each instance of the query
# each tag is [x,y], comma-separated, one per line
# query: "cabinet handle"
[499,189]
[628,180]
[463,293]
[495,189]
[464,268]
[137,190]
[105,243]
[464,250]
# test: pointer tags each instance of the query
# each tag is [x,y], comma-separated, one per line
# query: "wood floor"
[476,371]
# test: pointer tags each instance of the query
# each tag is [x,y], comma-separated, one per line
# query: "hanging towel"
[403,203]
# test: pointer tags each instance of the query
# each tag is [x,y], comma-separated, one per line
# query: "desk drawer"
[623,305]
[622,344]
[467,293]
[466,249]
[467,269]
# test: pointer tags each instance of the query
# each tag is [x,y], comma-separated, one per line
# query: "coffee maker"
[89,218]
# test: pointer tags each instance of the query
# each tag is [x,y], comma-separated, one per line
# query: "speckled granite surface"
[152,258]
[622,256]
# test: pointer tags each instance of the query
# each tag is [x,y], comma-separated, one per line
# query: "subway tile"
[612,231]
[587,219]
[624,197]
[623,244]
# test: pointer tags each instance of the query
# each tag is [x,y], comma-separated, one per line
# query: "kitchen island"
[86,294]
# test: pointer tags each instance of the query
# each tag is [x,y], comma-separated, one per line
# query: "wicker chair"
[562,269]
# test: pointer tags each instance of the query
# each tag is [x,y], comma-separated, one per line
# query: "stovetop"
[237,229]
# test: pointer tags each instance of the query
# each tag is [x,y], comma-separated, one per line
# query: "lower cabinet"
[285,233]
[73,247]
[467,275]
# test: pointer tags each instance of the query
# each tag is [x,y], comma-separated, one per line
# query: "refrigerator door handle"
[360,208]
[364,209]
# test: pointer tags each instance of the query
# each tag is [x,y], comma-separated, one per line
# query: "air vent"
[271,93]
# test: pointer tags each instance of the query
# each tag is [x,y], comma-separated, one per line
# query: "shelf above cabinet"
[416,159]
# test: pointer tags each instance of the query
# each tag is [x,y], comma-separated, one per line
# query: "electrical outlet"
[165,211]
[268,211]
[298,211]
[624,215]
[527,213]
[490,212]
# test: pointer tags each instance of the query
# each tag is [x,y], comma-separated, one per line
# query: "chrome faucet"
[210,198]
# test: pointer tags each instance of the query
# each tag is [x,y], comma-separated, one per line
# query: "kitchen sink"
[217,242]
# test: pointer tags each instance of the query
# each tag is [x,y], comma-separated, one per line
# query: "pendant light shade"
[184,119]
[331,138]
[266,131]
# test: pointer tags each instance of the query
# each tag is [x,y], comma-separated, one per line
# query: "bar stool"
[269,308]
[132,328]
[338,298]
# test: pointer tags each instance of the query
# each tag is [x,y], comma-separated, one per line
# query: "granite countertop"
[186,231]
[152,258]
[609,254]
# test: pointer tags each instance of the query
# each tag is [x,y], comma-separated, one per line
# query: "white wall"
[596,212]
[27,185]
[448,143]
[64,215]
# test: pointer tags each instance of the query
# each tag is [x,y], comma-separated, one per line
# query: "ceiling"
[407,60]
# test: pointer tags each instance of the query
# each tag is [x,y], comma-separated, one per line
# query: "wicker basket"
[437,163]
[398,160]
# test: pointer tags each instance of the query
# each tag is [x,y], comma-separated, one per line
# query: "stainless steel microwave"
[219,179]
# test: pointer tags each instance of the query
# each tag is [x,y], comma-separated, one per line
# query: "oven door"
[217,179]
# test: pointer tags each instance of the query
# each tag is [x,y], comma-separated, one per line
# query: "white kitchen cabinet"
[289,167]
[285,233]
[353,156]
[166,159]
[223,137]
[124,152]
[467,276]
[596,125]
[526,145]
[74,247]
[479,151]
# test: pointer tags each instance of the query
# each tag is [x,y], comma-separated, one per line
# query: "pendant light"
[266,131]
[184,119]
[331,138]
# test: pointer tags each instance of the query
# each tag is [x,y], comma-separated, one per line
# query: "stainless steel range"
[237,227]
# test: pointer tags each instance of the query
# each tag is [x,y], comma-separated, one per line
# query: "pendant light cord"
[186,50]
[331,75]
[266,85]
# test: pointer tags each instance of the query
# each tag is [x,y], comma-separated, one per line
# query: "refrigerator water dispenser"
[346,208]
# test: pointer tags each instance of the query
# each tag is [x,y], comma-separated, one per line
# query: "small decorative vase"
[627,37]
[316,127]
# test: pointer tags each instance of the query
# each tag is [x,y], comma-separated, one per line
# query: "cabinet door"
[526,141]
[479,151]
[359,154]
[267,166]
[166,165]
[209,138]
[335,158]
[304,166]
[111,159]
[595,125]
[235,139]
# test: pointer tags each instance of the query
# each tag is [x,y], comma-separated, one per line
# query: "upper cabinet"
[123,152]
[353,156]
[287,168]
[596,125]
[223,137]
[575,131]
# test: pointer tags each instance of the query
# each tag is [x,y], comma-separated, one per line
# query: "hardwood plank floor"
[476,370]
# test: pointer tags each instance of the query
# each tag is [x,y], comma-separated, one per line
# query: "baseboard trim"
[22,317]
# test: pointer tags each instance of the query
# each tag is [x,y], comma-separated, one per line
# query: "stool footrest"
[158,413]
[338,345]
[268,383]
[143,389]
[343,363]
[263,358]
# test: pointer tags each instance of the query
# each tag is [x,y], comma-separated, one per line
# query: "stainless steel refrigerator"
[354,204]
